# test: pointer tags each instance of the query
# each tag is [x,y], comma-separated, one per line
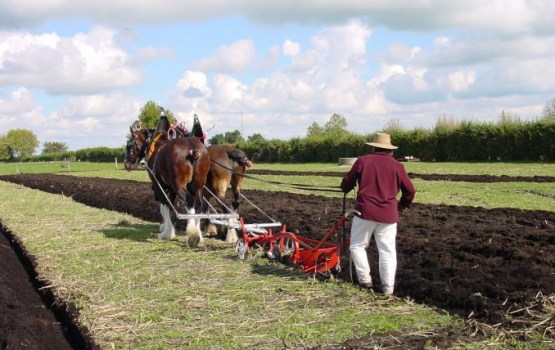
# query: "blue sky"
[79,72]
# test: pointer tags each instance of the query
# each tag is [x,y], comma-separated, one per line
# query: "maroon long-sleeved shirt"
[380,178]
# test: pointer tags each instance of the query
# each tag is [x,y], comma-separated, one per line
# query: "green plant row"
[95,154]
[469,141]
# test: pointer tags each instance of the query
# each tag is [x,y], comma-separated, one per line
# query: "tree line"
[509,139]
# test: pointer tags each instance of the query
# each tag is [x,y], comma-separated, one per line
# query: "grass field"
[137,292]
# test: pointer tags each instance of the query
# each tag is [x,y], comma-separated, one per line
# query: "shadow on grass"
[213,247]
[278,269]
[132,232]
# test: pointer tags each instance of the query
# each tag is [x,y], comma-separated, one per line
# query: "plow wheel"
[286,250]
[241,249]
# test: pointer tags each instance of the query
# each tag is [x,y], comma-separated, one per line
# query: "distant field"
[520,195]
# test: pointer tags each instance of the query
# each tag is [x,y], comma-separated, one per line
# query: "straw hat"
[382,140]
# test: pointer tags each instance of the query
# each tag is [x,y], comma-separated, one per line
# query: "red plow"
[312,256]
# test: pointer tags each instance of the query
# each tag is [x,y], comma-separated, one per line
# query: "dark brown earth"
[474,262]
[428,177]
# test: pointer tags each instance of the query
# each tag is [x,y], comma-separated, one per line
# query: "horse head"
[135,149]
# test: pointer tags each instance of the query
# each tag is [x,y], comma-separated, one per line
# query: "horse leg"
[231,233]
[236,181]
[220,197]
[168,230]
[167,225]
[160,199]
[220,189]
[192,231]
[211,229]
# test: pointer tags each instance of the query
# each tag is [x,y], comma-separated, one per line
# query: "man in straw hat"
[380,178]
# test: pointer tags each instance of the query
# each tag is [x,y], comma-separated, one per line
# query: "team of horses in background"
[180,166]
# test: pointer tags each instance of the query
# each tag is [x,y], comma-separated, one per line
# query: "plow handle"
[332,230]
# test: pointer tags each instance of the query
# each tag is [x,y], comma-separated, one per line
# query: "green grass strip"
[517,195]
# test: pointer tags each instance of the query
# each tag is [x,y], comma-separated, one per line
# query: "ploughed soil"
[428,177]
[479,263]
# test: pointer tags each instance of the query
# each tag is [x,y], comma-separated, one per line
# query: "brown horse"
[177,168]
[228,164]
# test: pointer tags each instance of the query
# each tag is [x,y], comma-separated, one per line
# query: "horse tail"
[193,154]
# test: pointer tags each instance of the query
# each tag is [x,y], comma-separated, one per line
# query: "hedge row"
[470,141]
[97,154]
[507,141]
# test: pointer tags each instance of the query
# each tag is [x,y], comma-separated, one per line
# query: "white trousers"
[384,234]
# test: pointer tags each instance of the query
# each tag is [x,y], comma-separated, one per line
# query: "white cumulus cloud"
[85,63]
[233,58]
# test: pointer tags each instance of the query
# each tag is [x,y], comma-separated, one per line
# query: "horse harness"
[151,145]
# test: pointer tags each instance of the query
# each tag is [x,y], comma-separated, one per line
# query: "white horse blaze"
[167,228]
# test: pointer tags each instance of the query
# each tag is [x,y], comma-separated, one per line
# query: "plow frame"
[311,255]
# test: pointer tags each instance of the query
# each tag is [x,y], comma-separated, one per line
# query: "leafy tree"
[392,126]
[21,142]
[549,109]
[218,139]
[5,152]
[150,114]
[256,138]
[336,124]
[54,147]
[314,130]
[230,137]
[233,136]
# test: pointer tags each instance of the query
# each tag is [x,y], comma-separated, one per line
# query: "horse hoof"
[211,231]
[162,237]
[231,236]
[166,237]
[193,241]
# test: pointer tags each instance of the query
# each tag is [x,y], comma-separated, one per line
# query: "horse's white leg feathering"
[168,231]
[231,236]
[193,230]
